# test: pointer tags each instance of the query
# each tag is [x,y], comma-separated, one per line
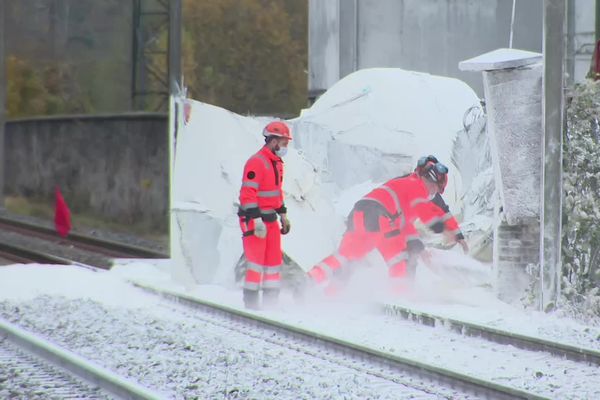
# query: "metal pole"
[512,24]
[175,46]
[356,37]
[597,21]
[3,84]
[134,51]
[552,124]
[175,89]
[570,56]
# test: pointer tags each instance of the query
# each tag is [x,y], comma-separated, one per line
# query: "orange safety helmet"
[277,128]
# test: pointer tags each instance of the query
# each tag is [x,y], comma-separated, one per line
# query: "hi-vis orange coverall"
[382,220]
[261,196]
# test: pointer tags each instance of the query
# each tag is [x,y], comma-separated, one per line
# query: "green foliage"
[581,208]
[249,55]
[40,92]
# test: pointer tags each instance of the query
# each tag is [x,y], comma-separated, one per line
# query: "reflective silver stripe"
[446,217]
[396,259]
[396,203]
[418,201]
[250,184]
[251,285]
[326,269]
[402,221]
[249,205]
[272,284]
[394,197]
[272,270]
[263,159]
[271,211]
[412,237]
[434,221]
[341,259]
[272,193]
[254,267]
[456,231]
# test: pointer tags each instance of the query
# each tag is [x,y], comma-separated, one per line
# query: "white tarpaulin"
[371,126]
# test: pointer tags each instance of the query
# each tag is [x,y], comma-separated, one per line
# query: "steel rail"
[25,375]
[8,256]
[524,342]
[94,374]
[455,380]
[122,249]
[32,255]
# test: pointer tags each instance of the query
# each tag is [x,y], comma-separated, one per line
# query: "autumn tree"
[45,90]
[250,55]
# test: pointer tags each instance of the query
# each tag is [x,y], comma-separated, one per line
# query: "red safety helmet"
[435,172]
[423,161]
[277,128]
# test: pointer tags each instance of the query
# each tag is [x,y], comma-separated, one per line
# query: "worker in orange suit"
[383,220]
[261,202]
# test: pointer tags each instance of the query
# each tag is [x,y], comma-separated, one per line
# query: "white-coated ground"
[77,307]
[172,349]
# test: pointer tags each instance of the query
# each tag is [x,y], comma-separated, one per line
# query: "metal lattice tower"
[155,52]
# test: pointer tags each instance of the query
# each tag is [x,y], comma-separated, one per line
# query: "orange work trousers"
[359,240]
[263,256]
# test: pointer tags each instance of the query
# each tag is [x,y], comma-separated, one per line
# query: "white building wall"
[583,41]
[323,45]
[431,35]
[421,35]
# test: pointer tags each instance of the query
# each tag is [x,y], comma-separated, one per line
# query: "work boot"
[270,298]
[251,299]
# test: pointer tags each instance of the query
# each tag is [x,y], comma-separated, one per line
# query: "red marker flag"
[62,214]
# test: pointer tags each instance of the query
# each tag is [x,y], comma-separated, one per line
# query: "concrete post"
[553,112]
[513,94]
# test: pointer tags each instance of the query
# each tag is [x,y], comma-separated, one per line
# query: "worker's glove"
[285,224]
[260,229]
[450,238]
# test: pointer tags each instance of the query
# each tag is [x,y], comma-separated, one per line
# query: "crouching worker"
[383,220]
[261,202]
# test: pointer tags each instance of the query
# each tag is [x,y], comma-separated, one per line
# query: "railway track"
[382,364]
[422,379]
[35,369]
[24,376]
[24,255]
[570,352]
[101,247]
[422,376]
